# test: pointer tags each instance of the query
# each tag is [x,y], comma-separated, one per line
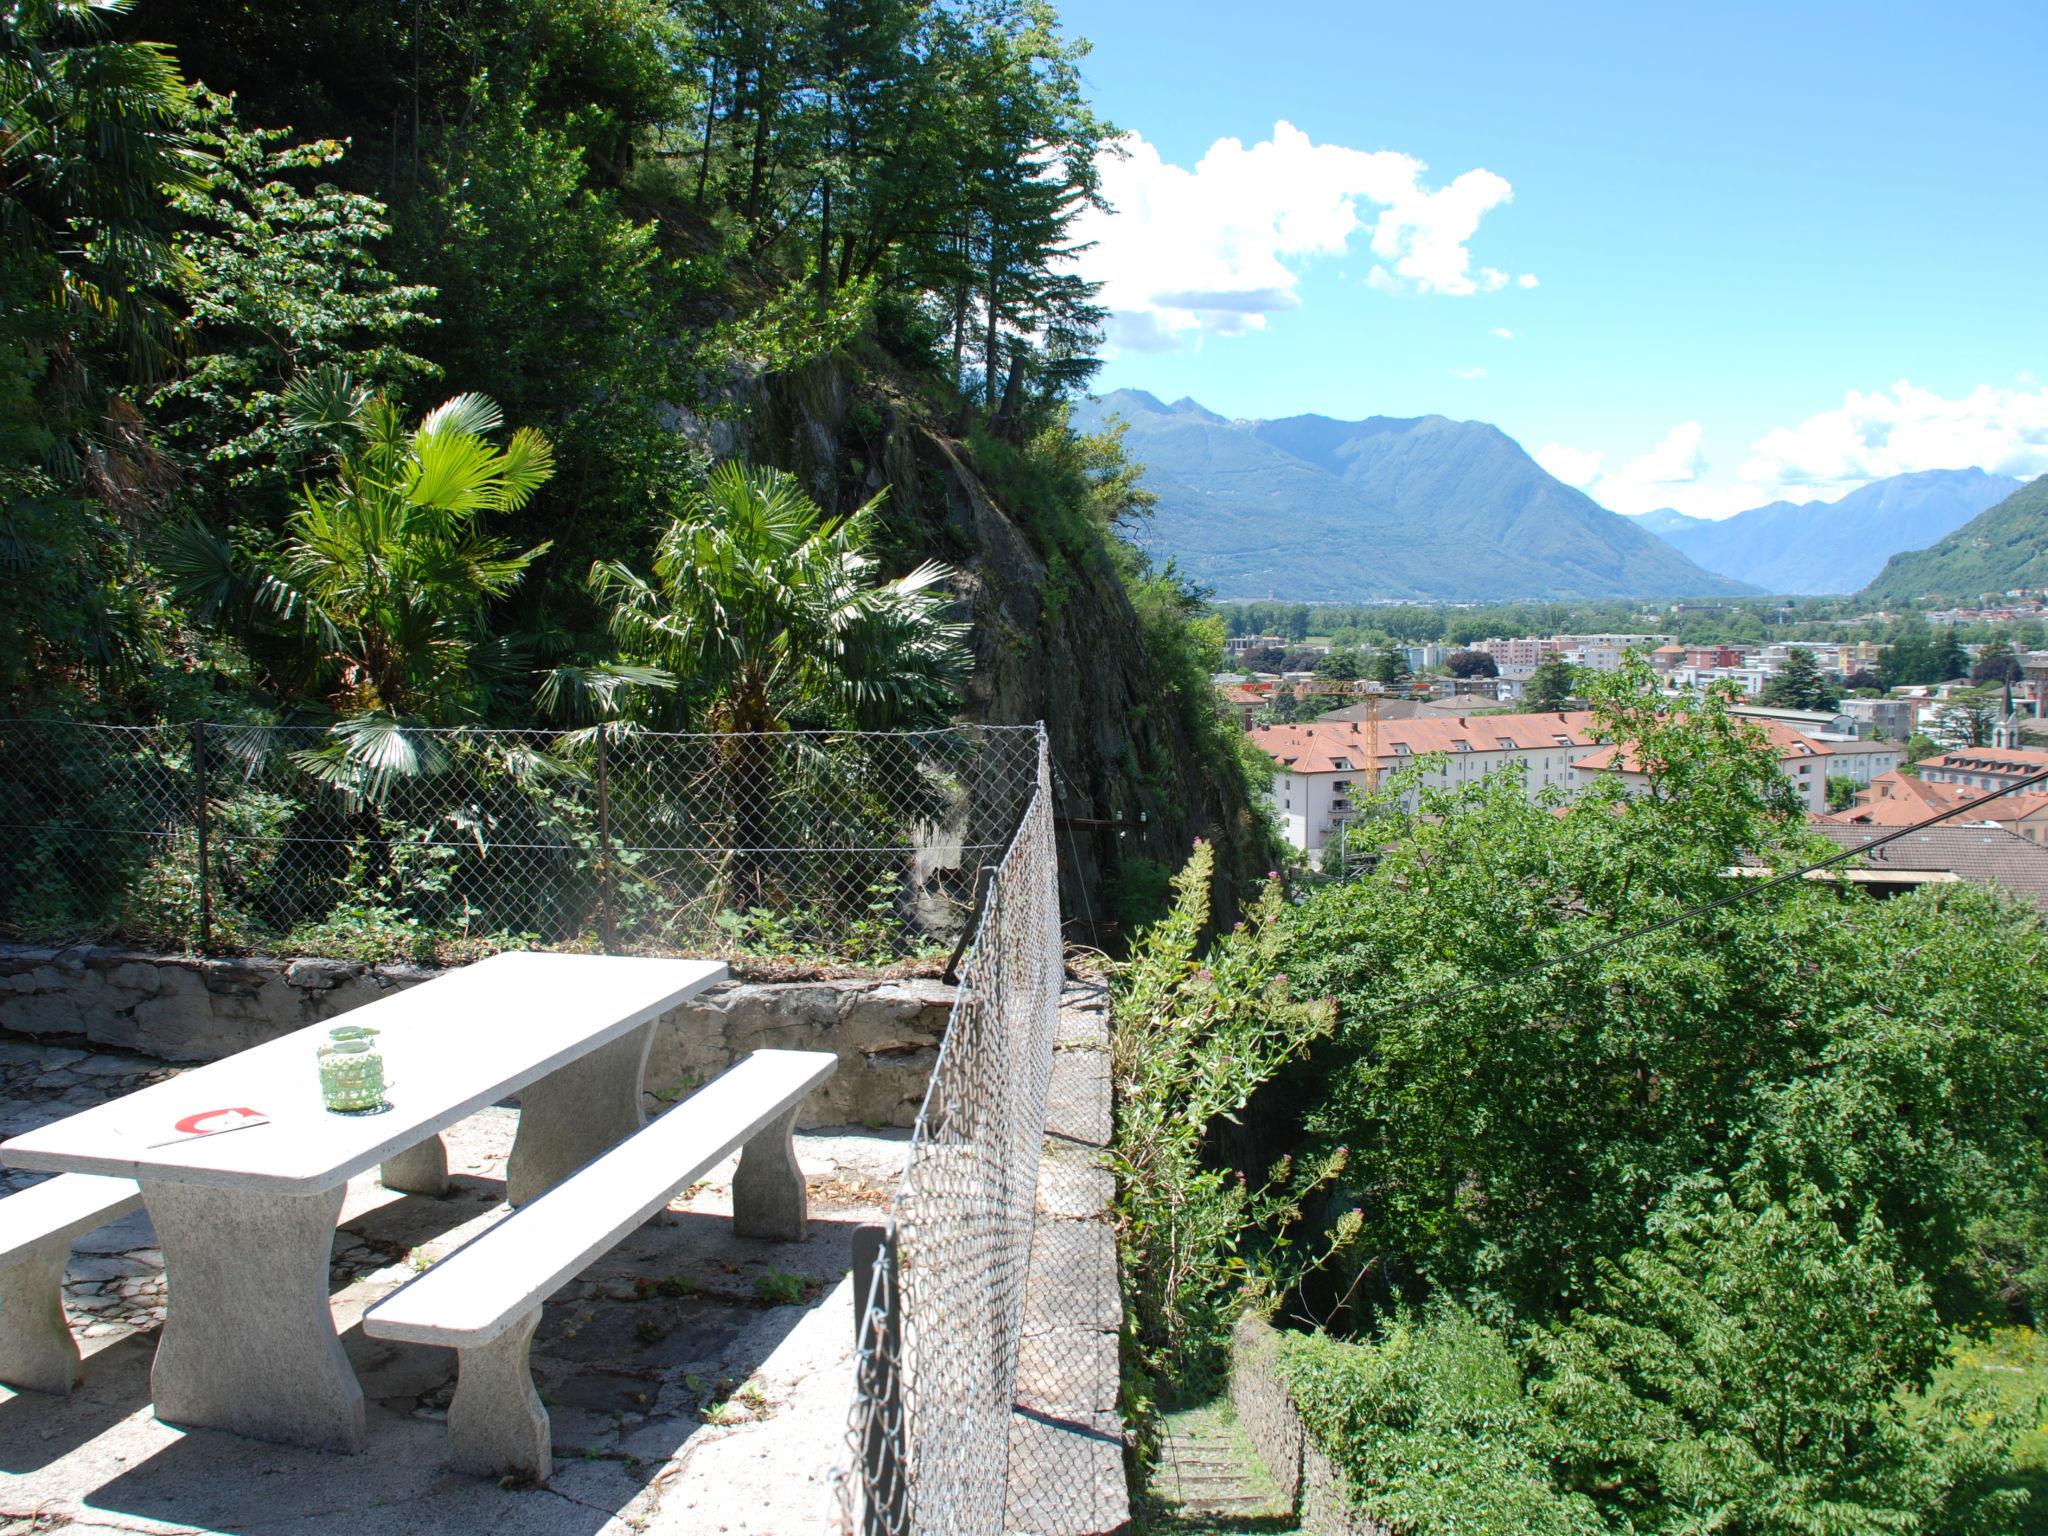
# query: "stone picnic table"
[245,1217]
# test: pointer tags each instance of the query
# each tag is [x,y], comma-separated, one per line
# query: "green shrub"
[1194,1038]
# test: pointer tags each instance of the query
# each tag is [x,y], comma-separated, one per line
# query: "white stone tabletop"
[451,1046]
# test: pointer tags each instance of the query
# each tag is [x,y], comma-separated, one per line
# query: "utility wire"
[1487,983]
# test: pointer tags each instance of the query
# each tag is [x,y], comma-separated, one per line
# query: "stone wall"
[1307,1477]
[178,1008]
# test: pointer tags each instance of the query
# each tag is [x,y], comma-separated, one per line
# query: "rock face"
[1074,658]
[885,1033]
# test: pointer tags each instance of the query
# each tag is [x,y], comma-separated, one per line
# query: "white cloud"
[1503,333]
[1871,436]
[1526,280]
[1896,431]
[1215,249]
[1468,373]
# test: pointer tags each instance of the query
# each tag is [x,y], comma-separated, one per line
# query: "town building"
[1985,767]
[1803,760]
[1323,774]
[1892,718]
[1901,800]
[1989,856]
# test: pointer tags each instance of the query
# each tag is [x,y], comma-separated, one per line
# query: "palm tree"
[90,144]
[769,614]
[385,581]
[769,611]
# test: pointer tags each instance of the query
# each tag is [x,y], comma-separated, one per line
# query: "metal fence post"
[606,922]
[201,818]
[885,1506]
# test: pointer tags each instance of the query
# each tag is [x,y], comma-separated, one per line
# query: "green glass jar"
[351,1070]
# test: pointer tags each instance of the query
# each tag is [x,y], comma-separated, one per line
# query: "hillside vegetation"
[1311,509]
[1996,551]
[251,247]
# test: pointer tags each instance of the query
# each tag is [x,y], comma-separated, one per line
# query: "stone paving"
[696,1381]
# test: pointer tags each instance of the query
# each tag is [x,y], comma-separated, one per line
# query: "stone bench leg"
[248,1343]
[582,1108]
[420,1170]
[496,1423]
[769,1198]
[37,1351]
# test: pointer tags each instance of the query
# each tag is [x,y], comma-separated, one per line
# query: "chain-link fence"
[370,841]
[941,1284]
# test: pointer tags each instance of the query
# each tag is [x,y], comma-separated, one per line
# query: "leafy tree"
[1341,664]
[1388,667]
[1550,685]
[1968,718]
[1997,664]
[283,282]
[87,282]
[772,614]
[1842,792]
[1471,664]
[379,600]
[1751,1367]
[1799,684]
[1515,1115]
[1863,681]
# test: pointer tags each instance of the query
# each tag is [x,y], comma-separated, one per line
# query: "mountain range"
[1421,508]
[1999,549]
[1837,546]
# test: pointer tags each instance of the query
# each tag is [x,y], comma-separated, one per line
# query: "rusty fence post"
[885,1496]
[202,826]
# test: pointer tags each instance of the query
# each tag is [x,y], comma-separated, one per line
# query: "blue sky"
[1722,236]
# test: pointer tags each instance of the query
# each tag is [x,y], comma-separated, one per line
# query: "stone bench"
[37,1228]
[484,1300]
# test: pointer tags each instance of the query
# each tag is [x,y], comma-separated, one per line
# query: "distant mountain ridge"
[1838,546]
[1419,508]
[2004,547]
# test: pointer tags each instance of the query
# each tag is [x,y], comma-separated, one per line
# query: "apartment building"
[1893,719]
[1323,766]
[1985,767]
[1804,761]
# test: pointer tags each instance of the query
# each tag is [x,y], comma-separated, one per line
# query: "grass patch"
[2013,1365]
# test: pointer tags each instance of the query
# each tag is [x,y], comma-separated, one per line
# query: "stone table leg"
[36,1348]
[576,1112]
[420,1170]
[769,1197]
[248,1343]
[496,1423]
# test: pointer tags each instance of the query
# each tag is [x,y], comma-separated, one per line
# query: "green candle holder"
[351,1070]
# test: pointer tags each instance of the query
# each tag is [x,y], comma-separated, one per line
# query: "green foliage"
[383,587]
[1915,654]
[778,1288]
[1752,1370]
[283,281]
[1996,551]
[1550,685]
[1514,1116]
[1842,792]
[1433,1429]
[1799,684]
[87,268]
[772,613]
[1195,1037]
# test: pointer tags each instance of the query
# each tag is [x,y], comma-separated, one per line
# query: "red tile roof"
[1789,742]
[1319,746]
